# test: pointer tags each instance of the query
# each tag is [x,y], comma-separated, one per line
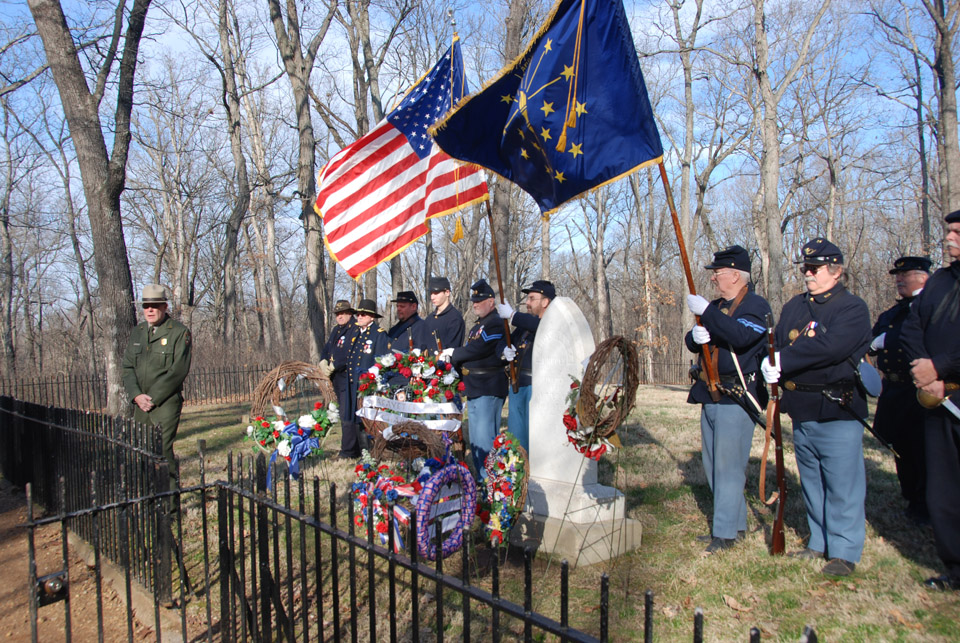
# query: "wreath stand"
[568,512]
[289,380]
[607,395]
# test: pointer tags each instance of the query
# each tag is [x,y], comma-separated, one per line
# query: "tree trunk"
[103,178]
[945,21]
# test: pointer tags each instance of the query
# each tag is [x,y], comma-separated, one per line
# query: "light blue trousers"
[834,485]
[483,414]
[726,432]
[518,419]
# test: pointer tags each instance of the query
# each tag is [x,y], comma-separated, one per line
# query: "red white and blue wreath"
[448,500]
[391,497]
[503,492]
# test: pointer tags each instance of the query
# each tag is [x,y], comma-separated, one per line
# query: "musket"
[439,343]
[778,542]
[514,383]
[839,401]
[713,379]
[410,337]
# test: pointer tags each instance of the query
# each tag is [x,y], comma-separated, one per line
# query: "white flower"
[332,413]
[416,351]
[249,430]
[449,378]
[283,448]
[374,370]
[416,369]
[430,371]
[388,360]
[306,421]
[332,407]
[278,425]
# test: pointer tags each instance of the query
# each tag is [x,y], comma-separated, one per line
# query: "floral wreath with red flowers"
[585,439]
[390,495]
[283,435]
[501,493]
[417,376]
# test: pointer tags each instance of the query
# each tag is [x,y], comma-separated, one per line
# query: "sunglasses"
[812,268]
[146,306]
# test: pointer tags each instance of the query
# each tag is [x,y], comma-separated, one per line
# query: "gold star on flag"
[506,99]
[575,149]
[545,134]
[581,109]
[524,154]
[549,45]
[567,71]
[546,109]
[560,177]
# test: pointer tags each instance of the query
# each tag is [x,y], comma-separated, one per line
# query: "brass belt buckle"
[790,385]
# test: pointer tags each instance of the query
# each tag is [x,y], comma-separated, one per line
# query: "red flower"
[570,422]
[371,475]
[448,395]
[287,458]
[317,406]
[417,486]
[501,465]
[259,418]
[434,382]
[317,427]
[299,431]
[358,468]
[363,387]
[358,520]
[484,517]
[265,424]
[397,479]
[461,386]
[382,527]
[382,467]
[507,491]
[263,443]
[276,434]
[398,356]
[496,535]
[406,372]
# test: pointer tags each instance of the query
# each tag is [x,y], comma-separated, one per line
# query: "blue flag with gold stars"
[570,114]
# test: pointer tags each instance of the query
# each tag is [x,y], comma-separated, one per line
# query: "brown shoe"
[839,567]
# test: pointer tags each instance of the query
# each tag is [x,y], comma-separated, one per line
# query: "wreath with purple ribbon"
[453,472]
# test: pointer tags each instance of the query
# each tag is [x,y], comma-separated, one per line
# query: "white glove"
[701,335]
[505,311]
[877,342]
[509,353]
[326,368]
[771,374]
[697,304]
[446,354]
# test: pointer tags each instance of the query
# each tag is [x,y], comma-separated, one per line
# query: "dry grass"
[660,472]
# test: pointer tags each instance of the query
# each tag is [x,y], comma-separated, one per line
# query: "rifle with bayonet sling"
[778,543]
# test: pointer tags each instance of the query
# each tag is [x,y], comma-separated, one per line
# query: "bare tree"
[945,14]
[103,175]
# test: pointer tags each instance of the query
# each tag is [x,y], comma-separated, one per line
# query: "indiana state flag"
[570,114]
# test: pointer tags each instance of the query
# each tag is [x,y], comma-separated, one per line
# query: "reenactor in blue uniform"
[410,331]
[931,341]
[821,337]
[733,327]
[483,374]
[155,363]
[898,413]
[335,355]
[369,343]
[539,295]
[445,321]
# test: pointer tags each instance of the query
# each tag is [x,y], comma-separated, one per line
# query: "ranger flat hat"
[367,307]
[543,287]
[953,217]
[154,294]
[406,296]
[480,290]
[438,284]
[734,257]
[819,251]
[343,306]
[906,264]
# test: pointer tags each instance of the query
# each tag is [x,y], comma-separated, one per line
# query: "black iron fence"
[89,392]
[75,460]
[217,385]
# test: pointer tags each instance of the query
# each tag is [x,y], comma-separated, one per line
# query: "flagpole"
[506,322]
[708,366]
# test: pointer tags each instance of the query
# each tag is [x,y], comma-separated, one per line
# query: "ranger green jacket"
[157,363]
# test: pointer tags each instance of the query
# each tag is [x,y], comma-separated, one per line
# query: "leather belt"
[733,380]
[481,370]
[842,386]
[898,377]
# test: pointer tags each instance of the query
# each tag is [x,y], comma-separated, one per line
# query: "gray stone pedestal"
[568,513]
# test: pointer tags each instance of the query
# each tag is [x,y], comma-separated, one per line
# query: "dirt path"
[15,615]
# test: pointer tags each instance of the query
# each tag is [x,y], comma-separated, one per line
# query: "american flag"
[376,195]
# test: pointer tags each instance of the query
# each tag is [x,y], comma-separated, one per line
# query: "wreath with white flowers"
[419,376]
[503,493]
[585,439]
[297,441]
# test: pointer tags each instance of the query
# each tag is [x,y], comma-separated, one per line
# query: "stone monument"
[568,512]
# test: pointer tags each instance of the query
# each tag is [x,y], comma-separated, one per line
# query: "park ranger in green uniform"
[155,364]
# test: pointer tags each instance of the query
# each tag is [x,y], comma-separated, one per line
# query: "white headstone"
[564,501]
